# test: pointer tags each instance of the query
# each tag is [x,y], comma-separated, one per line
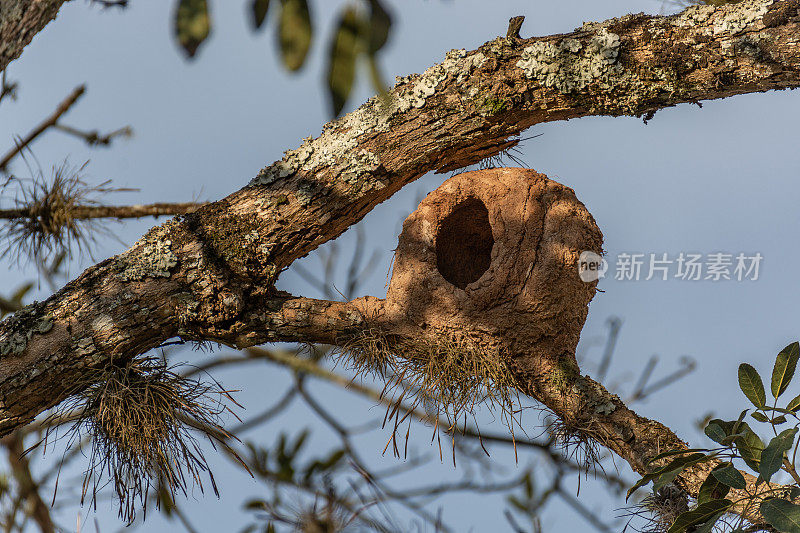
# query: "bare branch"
[28,488]
[94,137]
[47,123]
[86,212]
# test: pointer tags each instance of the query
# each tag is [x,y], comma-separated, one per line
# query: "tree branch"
[20,20]
[208,275]
[28,488]
[111,211]
[47,123]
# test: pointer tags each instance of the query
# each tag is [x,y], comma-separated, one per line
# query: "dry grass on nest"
[451,378]
[142,418]
[49,224]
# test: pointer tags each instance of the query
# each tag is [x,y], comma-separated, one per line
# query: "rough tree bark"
[20,20]
[209,275]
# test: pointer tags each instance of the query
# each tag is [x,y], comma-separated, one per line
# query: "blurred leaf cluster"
[362,29]
[739,445]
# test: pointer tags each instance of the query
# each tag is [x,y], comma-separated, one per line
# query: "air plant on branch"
[47,217]
[145,422]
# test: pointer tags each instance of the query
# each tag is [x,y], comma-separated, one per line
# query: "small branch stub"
[514,25]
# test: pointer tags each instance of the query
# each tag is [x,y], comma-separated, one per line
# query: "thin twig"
[49,122]
[581,509]
[94,137]
[114,211]
[7,89]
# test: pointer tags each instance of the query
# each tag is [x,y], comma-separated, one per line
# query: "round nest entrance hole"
[464,243]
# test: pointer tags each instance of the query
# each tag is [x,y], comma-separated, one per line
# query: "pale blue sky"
[723,178]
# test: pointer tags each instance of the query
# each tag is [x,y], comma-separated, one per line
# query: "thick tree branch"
[208,275]
[20,20]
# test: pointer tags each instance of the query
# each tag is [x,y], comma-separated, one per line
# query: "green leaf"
[783,371]
[666,478]
[761,417]
[380,22]
[712,488]
[778,410]
[727,432]
[782,515]
[794,405]
[344,51]
[676,451]
[679,463]
[778,420]
[255,505]
[749,446]
[730,476]
[295,33]
[376,34]
[192,25]
[752,386]
[715,430]
[772,456]
[260,8]
[699,515]
[708,526]
[20,293]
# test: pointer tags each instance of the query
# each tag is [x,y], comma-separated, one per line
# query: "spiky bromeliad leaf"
[192,25]
[784,368]
[752,386]
[346,45]
[259,10]
[145,421]
[294,33]
[782,515]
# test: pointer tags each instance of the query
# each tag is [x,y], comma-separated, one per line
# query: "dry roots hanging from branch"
[142,418]
[450,377]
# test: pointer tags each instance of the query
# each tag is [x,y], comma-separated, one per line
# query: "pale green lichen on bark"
[22,326]
[568,65]
[595,397]
[489,105]
[337,145]
[153,259]
[564,374]
[729,18]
